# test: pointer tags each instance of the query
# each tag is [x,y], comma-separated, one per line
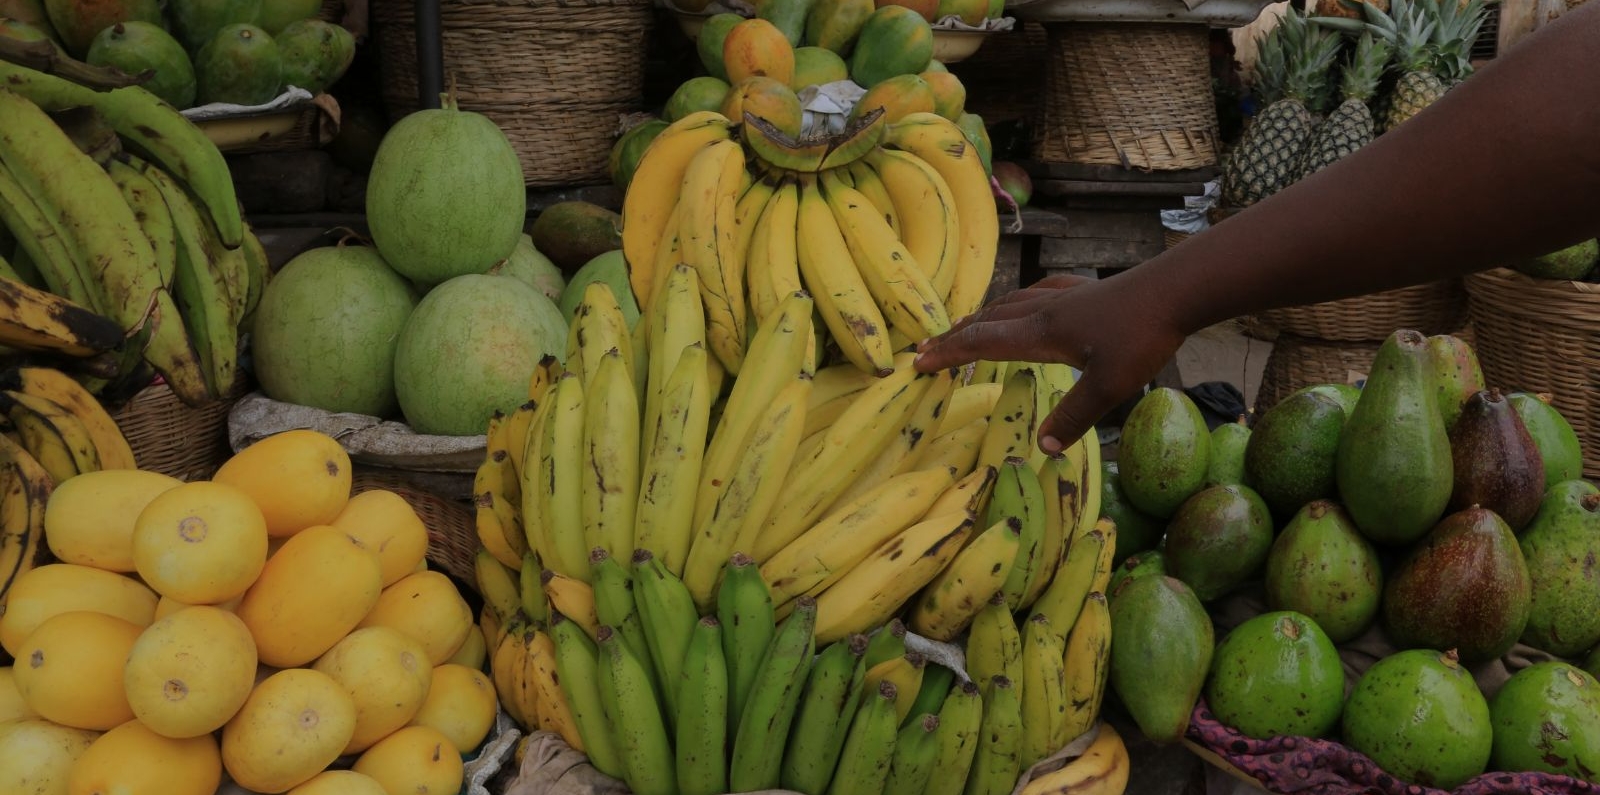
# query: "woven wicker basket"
[555,75]
[1433,308]
[1130,95]
[1541,335]
[452,536]
[1297,362]
[174,439]
[1005,78]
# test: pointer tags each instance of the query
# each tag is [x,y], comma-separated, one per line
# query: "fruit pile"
[154,242]
[1573,263]
[242,52]
[1451,517]
[264,623]
[1394,64]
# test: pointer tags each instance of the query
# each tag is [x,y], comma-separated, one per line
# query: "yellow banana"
[515,430]
[927,213]
[1087,655]
[957,450]
[538,532]
[902,290]
[648,205]
[561,478]
[676,322]
[968,404]
[974,576]
[1012,422]
[67,425]
[872,591]
[24,492]
[710,239]
[664,519]
[669,254]
[773,265]
[541,653]
[940,143]
[1075,578]
[495,528]
[41,321]
[901,454]
[847,308]
[865,180]
[970,493]
[610,488]
[572,598]
[905,672]
[1044,685]
[497,586]
[838,381]
[598,328]
[543,377]
[821,417]
[506,668]
[1102,770]
[994,644]
[51,384]
[749,209]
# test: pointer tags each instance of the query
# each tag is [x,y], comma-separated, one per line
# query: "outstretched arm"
[1505,166]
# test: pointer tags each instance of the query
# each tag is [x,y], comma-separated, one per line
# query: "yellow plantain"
[710,237]
[927,213]
[648,205]
[857,325]
[902,290]
[871,592]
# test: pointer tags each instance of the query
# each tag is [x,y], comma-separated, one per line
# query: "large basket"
[1435,308]
[555,75]
[1005,78]
[1128,94]
[174,439]
[452,536]
[1542,335]
[1297,362]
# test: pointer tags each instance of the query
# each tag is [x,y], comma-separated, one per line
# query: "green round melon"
[134,47]
[468,351]
[532,268]
[610,268]
[326,328]
[445,197]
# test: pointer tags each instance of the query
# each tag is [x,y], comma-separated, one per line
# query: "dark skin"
[1506,166]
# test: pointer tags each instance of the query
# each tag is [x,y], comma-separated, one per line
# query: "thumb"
[1076,413]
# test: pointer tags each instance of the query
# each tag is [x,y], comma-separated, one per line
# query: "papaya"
[894,41]
[629,150]
[768,99]
[756,48]
[898,96]
[949,95]
[77,22]
[713,34]
[816,66]
[695,94]
[788,16]
[835,24]
[997,9]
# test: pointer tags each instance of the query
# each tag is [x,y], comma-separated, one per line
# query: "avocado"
[1496,464]
[1218,540]
[1560,547]
[1162,654]
[1164,453]
[1421,717]
[1464,587]
[1321,566]
[1572,263]
[1591,664]
[572,233]
[1454,370]
[1137,565]
[1290,455]
[1346,395]
[1225,466]
[1547,718]
[1393,466]
[1277,674]
[1136,532]
[1552,434]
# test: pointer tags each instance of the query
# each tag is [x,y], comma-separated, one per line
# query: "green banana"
[578,665]
[914,757]
[994,644]
[1012,422]
[744,606]
[702,731]
[998,762]
[641,736]
[150,210]
[44,258]
[960,724]
[936,681]
[1017,494]
[1044,680]
[614,606]
[560,493]
[886,644]
[535,604]
[869,747]
[668,614]
[764,726]
[202,293]
[151,125]
[832,693]
[257,272]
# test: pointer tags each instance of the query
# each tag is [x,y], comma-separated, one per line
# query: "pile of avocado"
[1450,517]
[1573,263]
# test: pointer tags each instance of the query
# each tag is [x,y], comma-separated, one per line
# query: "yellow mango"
[298,478]
[386,673]
[89,519]
[310,595]
[133,760]
[295,723]
[190,672]
[386,524]
[64,587]
[70,670]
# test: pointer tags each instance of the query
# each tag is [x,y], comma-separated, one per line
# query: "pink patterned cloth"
[1295,765]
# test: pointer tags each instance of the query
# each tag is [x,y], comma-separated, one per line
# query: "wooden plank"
[1036,222]
[1105,240]
[1060,187]
[1101,173]
[294,182]
[1007,268]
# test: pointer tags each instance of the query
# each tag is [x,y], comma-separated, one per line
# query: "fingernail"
[1051,445]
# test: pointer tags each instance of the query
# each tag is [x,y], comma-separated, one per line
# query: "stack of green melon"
[240,52]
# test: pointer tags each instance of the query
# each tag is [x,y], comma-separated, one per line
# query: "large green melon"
[469,349]
[445,197]
[326,329]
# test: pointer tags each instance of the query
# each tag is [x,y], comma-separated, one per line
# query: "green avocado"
[1421,717]
[1559,546]
[1135,566]
[1218,540]
[1226,463]
[1277,674]
[1321,566]
[1164,453]
[1162,654]
[1289,459]
[1552,434]
[1136,532]
[1572,263]
[1547,718]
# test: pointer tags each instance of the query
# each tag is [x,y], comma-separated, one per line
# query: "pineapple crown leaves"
[1407,28]
[1314,52]
[1272,65]
[1456,26]
[1365,69]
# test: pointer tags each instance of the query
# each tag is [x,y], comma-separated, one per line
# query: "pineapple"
[1350,126]
[1292,82]
[1457,26]
[1410,28]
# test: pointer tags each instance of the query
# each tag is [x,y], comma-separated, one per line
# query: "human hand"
[1118,341]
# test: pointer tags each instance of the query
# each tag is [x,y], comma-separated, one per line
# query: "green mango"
[1218,540]
[978,133]
[1225,464]
[1453,367]
[1321,566]
[1289,459]
[1136,532]
[1345,395]
[1559,548]
[1546,718]
[1591,664]
[315,54]
[1150,561]
[788,16]
[1465,587]
[1393,467]
[1572,263]
[816,66]
[197,22]
[1421,717]
[696,94]
[241,66]
[1552,434]
[1162,654]
[134,47]
[275,15]
[1277,674]
[1164,453]
[836,24]
[629,150]
[709,43]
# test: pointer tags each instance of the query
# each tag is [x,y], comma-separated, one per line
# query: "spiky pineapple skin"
[1348,128]
[1268,158]
[1412,93]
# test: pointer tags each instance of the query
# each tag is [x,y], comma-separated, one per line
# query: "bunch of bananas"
[53,429]
[892,229]
[153,242]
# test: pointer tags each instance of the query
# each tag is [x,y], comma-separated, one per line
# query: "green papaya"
[1277,674]
[629,150]
[1289,458]
[1421,717]
[1218,539]
[1393,468]
[1321,566]
[1225,466]
[1136,532]
[134,47]
[1164,452]
[815,66]
[315,54]
[836,24]
[894,41]
[197,22]
[1552,434]
[1546,718]
[1164,642]
[788,16]
[1559,547]
[241,66]
[709,43]
[1456,375]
